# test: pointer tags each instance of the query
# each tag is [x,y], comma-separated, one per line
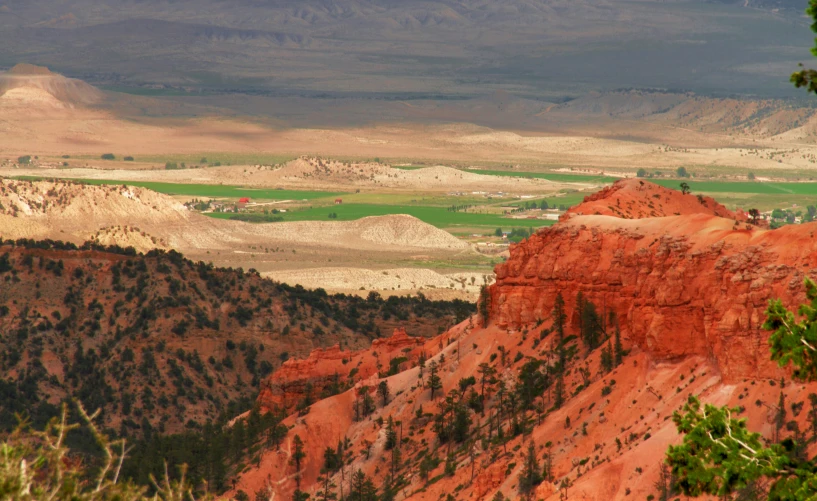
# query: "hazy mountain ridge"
[453,47]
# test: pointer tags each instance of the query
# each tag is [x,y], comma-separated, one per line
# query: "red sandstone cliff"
[332,366]
[680,286]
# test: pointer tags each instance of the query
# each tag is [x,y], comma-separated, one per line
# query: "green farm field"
[733,194]
[433,208]
[436,216]
[317,205]
[753,187]
[210,190]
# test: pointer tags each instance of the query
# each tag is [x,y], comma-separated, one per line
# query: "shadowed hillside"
[412,49]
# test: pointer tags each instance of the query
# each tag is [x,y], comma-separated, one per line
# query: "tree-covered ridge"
[158,342]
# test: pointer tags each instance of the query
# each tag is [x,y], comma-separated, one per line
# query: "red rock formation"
[683,285]
[325,367]
[689,293]
[637,199]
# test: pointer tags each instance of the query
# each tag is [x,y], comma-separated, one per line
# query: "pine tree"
[487,373]
[434,381]
[559,316]
[389,488]
[618,350]
[590,326]
[559,392]
[450,465]
[531,475]
[364,403]
[391,435]
[559,319]
[362,488]
[461,422]
[607,359]
[580,309]
[297,456]
[547,469]
[396,460]
[484,304]
[383,391]
[426,465]
[330,459]
[326,492]
[368,404]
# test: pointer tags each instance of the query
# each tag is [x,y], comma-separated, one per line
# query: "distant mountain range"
[412,49]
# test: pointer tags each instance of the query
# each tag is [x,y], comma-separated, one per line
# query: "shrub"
[34,466]
[128,158]
[108,156]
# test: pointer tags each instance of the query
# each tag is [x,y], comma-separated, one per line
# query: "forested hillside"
[157,341]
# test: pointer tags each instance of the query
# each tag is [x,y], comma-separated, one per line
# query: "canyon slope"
[677,307]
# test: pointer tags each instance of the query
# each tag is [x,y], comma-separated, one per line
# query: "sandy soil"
[389,281]
[46,119]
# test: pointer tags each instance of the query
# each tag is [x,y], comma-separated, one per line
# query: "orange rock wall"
[288,384]
[686,285]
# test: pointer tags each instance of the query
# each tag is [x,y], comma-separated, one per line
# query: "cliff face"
[325,368]
[679,286]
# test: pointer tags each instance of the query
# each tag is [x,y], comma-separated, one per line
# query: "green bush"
[108,156]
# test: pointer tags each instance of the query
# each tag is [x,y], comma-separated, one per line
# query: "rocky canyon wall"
[684,285]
